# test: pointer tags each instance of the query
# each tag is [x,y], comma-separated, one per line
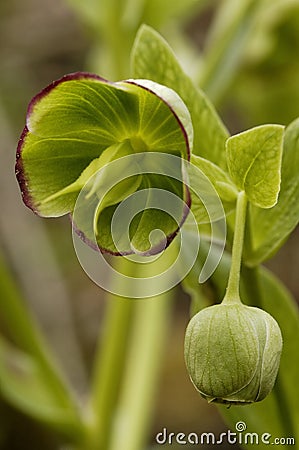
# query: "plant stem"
[144,357]
[126,369]
[233,288]
[108,368]
[138,391]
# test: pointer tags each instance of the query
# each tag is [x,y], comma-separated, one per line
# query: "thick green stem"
[233,288]
[126,368]
[144,358]
[140,381]
[108,368]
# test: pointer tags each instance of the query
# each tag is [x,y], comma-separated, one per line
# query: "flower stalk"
[233,288]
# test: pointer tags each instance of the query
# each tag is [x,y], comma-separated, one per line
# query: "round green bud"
[232,353]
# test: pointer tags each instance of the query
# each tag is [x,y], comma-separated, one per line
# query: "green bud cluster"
[232,353]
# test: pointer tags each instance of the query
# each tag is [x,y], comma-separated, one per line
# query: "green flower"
[76,127]
[232,353]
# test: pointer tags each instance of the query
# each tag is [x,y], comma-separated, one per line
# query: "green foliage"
[266,87]
[131,12]
[29,379]
[268,229]
[27,385]
[209,132]
[254,160]
[113,25]
[230,33]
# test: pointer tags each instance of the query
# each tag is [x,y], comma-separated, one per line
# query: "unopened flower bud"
[232,353]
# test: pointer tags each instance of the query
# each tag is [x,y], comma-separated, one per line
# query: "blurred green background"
[42,40]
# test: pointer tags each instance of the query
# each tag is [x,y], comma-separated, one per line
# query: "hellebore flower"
[79,125]
[232,353]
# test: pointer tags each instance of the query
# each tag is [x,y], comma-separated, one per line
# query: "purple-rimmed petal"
[74,121]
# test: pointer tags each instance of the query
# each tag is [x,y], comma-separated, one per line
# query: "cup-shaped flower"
[80,124]
[232,353]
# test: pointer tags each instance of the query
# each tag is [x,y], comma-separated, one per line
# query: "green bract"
[270,228]
[232,353]
[254,163]
[78,125]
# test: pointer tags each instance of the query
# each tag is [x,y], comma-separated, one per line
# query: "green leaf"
[77,127]
[269,228]
[254,161]
[209,132]
[25,385]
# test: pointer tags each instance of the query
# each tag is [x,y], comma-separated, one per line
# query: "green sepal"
[79,125]
[232,353]
[279,412]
